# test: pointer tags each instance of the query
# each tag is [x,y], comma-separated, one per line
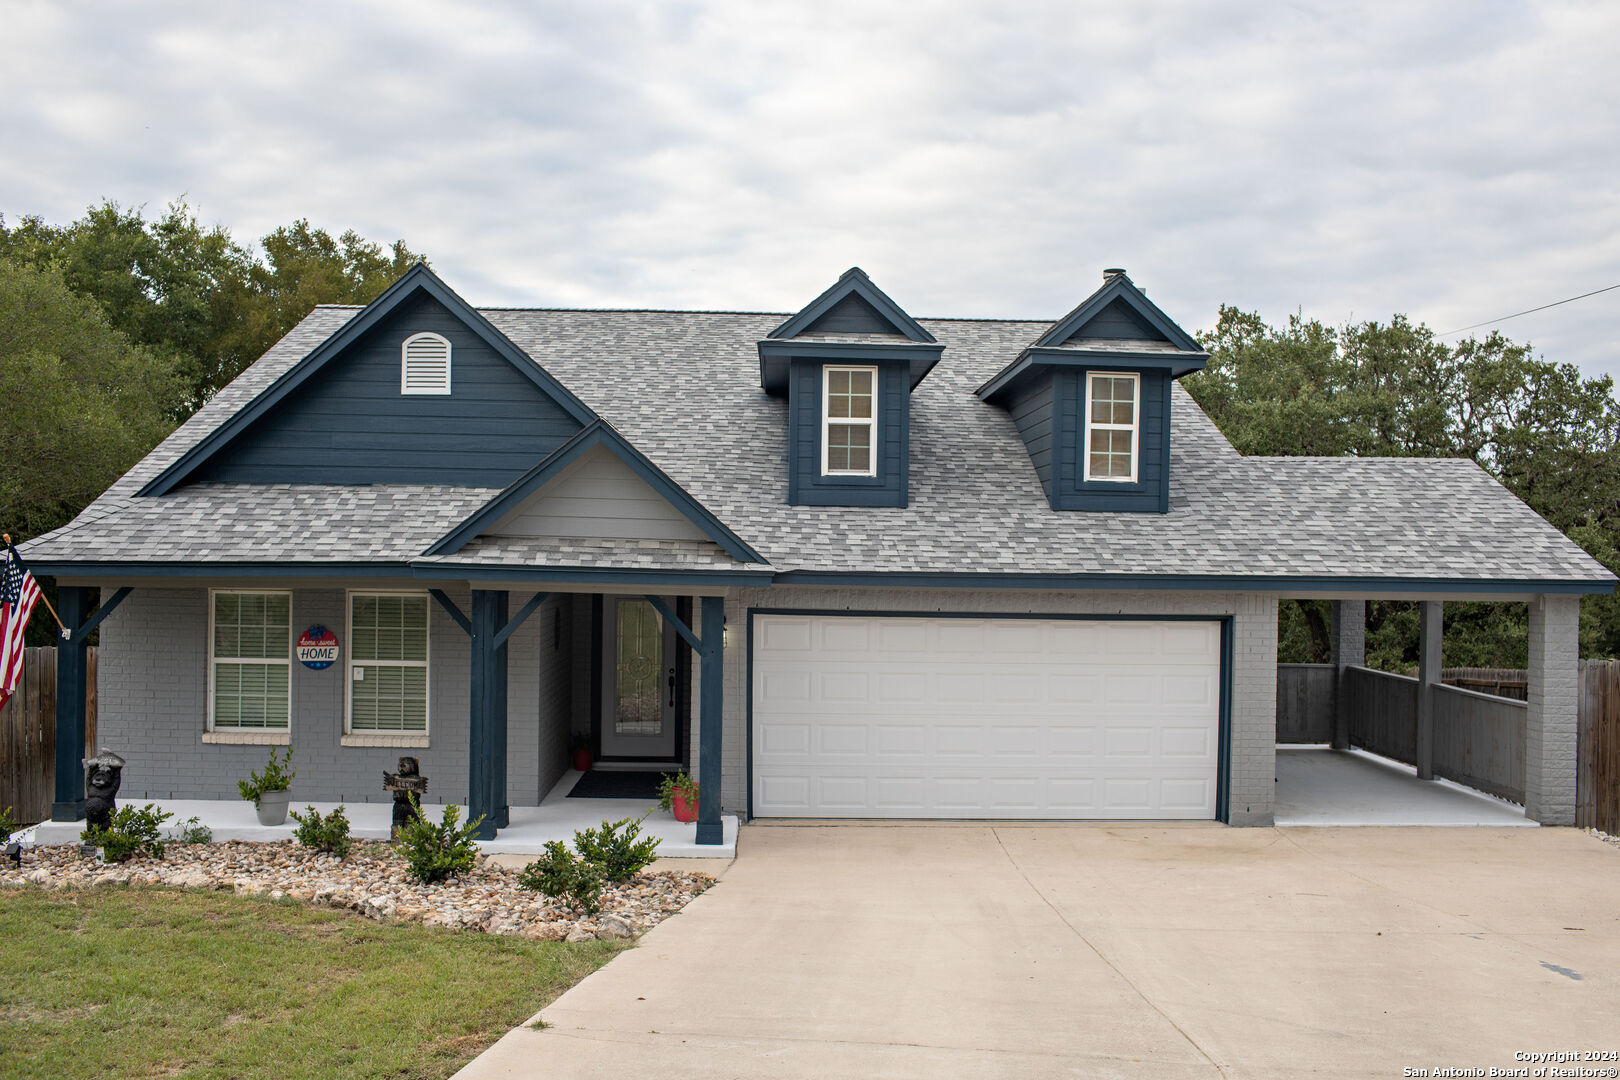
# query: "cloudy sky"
[1456,161]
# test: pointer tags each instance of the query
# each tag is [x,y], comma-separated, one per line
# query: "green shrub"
[435,852]
[8,824]
[192,831]
[673,783]
[330,833]
[560,876]
[618,854]
[277,776]
[128,832]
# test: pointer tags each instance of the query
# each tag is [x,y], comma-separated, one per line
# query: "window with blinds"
[388,662]
[425,365]
[250,667]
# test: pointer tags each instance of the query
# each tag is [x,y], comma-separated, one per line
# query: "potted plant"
[679,792]
[268,790]
[583,758]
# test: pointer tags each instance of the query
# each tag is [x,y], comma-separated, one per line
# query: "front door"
[638,681]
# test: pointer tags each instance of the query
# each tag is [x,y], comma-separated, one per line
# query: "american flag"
[19,592]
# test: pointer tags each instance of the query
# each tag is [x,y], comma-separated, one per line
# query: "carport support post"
[1348,641]
[1431,619]
[711,686]
[1551,753]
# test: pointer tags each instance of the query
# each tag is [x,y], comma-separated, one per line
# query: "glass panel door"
[638,681]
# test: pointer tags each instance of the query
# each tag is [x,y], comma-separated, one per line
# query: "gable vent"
[425,365]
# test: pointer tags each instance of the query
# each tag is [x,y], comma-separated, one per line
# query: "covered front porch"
[528,830]
[514,680]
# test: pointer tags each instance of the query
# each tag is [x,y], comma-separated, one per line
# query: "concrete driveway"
[1107,951]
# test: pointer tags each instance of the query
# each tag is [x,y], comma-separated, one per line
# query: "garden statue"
[405,783]
[103,774]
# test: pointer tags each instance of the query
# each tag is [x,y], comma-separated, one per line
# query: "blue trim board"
[440,571]
[854,280]
[675,621]
[598,433]
[1199,582]
[1032,359]
[1119,287]
[417,278]
[1223,767]
[775,358]
[505,632]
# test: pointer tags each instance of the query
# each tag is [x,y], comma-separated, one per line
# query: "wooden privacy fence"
[1305,697]
[28,735]
[1597,789]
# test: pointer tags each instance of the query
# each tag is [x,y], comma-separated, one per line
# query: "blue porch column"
[711,683]
[73,608]
[486,729]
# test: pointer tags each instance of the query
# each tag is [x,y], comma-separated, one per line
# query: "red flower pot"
[582,760]
[684,811]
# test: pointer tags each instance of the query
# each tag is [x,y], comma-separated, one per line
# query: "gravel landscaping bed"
[373,881]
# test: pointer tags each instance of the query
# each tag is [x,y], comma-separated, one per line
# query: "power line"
[1543,307]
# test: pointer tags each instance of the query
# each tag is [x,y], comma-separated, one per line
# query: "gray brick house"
[846,564]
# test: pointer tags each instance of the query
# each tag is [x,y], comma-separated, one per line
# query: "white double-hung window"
[250,661]
[849,421]
[388,663]
[1112,409]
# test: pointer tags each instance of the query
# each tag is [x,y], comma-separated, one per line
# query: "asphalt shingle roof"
[684,388]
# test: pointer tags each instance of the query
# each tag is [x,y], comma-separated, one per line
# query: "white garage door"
[880,716]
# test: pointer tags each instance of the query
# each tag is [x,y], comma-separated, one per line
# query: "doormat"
[597,784]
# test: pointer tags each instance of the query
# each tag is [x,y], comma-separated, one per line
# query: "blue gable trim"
[1119,287]
[417,280]
[599,433]
[854,282]
[1034,358]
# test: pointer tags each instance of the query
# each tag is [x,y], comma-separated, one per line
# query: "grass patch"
[161,982]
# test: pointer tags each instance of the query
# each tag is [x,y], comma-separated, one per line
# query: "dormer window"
[1111,411]
[849,421]
[424,366]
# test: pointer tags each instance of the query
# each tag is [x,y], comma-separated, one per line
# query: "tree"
[191,293]
[83,403]
[1392,389]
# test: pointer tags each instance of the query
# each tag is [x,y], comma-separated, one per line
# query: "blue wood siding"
[351,425]
[853,315]
[1115,322]
[1031,408]
[1151,492]
[806,485]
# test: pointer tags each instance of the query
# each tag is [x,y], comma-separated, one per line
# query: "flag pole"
[11,553]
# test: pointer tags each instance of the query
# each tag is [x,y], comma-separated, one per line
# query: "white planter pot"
[272,808]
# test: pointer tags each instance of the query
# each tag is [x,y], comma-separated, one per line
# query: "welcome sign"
[317,648]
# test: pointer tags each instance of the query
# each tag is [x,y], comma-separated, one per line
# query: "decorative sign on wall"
[317,648]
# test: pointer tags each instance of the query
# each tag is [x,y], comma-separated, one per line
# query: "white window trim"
[404,365]
[249,736]
[828,420]
[1135,427]
[350,737]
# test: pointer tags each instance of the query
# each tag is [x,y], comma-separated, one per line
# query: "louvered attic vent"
[425,365]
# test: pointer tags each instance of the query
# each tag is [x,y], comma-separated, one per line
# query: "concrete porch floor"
[1319,786]
[556,818]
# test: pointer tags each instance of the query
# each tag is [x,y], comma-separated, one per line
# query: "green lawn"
[161,983]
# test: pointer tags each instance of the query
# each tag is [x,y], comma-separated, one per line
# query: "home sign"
[317,648]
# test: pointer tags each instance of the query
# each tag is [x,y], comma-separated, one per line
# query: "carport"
[1357,746]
